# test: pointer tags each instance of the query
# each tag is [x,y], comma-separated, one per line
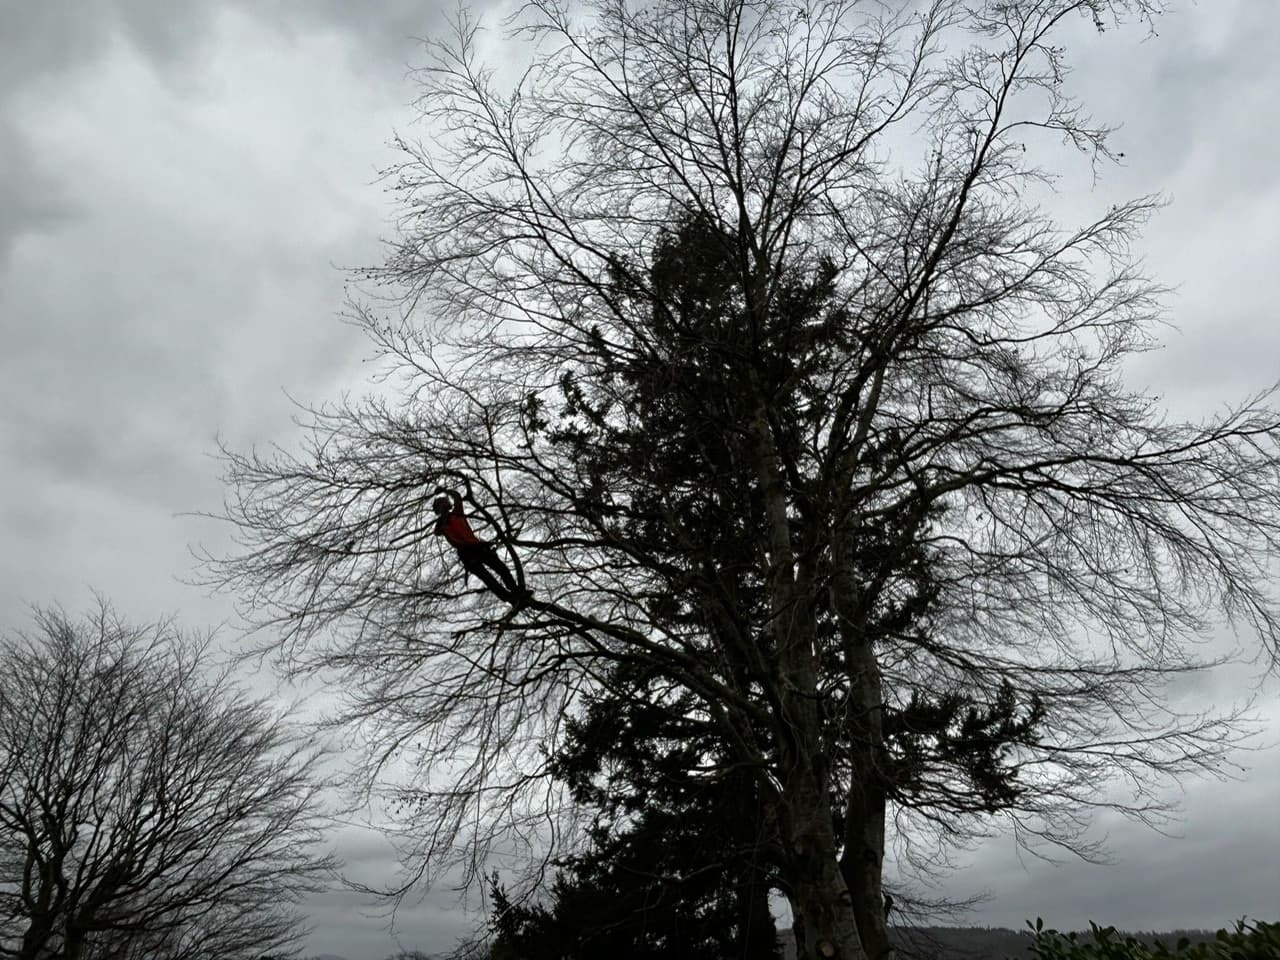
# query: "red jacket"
[453,527]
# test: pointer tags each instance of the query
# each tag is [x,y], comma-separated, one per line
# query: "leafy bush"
[1258,942]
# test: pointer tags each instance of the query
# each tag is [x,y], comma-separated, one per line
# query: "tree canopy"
[148,808]
[748,330]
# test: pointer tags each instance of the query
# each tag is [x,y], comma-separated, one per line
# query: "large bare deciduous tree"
[148,808]
[746,330]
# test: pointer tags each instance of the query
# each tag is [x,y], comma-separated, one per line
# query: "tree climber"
[477,556]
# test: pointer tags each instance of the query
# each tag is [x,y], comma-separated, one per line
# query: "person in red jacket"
[477,556]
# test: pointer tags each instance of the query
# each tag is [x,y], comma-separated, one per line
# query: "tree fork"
[826,924]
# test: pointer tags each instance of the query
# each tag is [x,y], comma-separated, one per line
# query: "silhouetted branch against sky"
[957,395]
[148,808]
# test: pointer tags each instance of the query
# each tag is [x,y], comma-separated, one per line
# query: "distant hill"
[985,943]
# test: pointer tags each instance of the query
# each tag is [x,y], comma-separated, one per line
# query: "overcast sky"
[181,179]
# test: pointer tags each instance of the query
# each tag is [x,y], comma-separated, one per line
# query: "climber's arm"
[453,496]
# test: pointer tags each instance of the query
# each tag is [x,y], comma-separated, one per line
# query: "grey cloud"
[55,35]
[360,927]
[29,200]
[1193,105]
[170,279]
[389,29]
[41,42]
[1203,70]
[43,38]
[126,388]
[1210,872]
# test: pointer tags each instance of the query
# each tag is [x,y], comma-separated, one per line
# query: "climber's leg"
[494,562]
[480,560]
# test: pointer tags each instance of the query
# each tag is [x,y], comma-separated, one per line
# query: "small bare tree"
[148,808]
[744,324]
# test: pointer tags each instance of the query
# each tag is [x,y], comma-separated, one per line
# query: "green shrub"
[1258,942]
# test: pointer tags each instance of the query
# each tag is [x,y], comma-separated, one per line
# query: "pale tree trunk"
[862,860]
[862,857]
[826,927]
[819,897]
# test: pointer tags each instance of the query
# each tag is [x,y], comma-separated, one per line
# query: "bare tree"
[862,479]
[148,808]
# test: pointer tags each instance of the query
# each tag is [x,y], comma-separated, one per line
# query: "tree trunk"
[42,891]
[73,948]
[35,939]
[862,857]
[826,927]
[861,866]
[757,935]
[825,922]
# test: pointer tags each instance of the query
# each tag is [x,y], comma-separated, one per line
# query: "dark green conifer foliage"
[666,423]
[675,861]
[673,867]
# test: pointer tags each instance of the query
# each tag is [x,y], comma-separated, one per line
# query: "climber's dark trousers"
[482,560]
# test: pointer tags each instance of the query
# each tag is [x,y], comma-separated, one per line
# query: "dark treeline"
[951,943]
[1001,943]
